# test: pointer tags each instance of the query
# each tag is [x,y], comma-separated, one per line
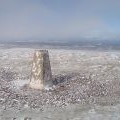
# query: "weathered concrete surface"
[41,76]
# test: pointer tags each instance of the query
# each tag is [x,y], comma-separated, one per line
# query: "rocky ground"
[80,78]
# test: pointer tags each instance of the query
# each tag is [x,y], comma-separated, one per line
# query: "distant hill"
[66,44]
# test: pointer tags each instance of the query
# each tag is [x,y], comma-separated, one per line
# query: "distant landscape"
[67,44]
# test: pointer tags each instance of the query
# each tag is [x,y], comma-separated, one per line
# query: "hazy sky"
[59,19]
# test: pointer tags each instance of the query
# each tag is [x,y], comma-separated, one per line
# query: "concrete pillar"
[41,76]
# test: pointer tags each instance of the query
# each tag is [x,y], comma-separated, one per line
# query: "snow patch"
[17,84]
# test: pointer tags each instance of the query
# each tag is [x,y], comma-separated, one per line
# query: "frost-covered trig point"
[41,76]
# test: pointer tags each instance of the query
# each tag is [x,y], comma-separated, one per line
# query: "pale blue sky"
[59,19]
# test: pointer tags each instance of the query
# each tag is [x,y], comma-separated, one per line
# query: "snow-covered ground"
[87,86]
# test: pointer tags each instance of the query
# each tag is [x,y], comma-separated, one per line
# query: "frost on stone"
[41,75]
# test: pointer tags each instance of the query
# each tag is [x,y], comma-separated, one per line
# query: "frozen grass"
[86,85]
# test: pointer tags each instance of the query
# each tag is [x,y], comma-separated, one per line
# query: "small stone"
[27,118]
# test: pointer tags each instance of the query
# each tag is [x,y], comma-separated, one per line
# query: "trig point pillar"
[41,76]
